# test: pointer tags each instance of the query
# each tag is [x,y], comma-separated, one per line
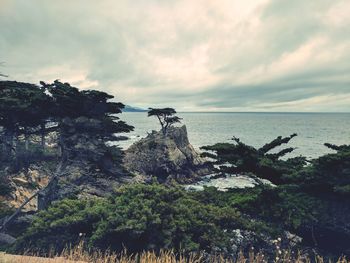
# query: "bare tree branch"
[11,218]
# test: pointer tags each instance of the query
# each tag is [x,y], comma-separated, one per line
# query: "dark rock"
[82,181]
[6,239]
[165,157]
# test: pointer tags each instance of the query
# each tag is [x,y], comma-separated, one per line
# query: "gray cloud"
[275,55]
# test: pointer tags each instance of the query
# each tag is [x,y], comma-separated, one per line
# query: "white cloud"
[193,55]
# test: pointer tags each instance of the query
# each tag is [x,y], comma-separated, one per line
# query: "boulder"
[165,157]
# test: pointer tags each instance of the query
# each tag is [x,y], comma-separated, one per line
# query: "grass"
[151,257]
[80,255]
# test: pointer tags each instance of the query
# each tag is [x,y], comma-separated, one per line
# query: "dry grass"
[5,258]
[79,255]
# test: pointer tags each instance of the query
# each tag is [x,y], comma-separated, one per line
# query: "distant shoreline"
[250,112]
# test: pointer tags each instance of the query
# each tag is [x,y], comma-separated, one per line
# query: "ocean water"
[256,129]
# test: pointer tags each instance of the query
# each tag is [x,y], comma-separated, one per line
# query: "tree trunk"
[162,125]
[26,140]
[60,140]
[8,142]
[43,136]
[60,145]
[59,172]
[14,144]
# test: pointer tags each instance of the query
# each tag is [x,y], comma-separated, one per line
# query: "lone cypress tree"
[165,116]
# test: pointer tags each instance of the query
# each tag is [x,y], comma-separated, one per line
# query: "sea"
[255,129]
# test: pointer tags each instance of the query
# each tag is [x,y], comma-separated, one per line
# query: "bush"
[278,208]
[139,217]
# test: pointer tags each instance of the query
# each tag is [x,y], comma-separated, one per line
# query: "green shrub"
[139,217]
[278,208]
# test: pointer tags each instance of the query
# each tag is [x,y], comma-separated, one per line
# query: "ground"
[6,258]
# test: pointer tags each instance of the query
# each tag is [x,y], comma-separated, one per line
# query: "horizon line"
[263,111]
[293,112]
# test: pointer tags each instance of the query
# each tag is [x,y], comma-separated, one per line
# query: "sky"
[193,55]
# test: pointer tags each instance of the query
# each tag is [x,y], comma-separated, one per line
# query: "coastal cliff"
[163,157]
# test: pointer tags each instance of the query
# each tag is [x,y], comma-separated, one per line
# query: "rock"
[292,239]
[81,180]
[24,184]
[165,157]
[7,239]
[246,240]
[20,181]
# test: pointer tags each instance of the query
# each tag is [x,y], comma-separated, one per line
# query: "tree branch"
[11,218]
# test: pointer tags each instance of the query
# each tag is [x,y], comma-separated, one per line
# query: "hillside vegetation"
[69,132]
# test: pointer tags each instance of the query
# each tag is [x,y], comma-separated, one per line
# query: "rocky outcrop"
[82,180]
[78,178]
[165,157]
[24,184]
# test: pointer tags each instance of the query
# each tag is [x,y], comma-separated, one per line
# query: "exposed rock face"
[83,180]
[165,157]
[24,184]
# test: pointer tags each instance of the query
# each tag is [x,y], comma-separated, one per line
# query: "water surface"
[256,129]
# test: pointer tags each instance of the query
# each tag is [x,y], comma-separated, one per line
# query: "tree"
[23,107]
[165,116]
[86,121]
[310,198]
[237,157]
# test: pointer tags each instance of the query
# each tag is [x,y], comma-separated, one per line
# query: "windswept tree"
[23,107]
[67,103]
[166,117]
[86,121]
[237,157]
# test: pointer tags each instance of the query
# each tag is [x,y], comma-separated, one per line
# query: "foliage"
[82,121]
[165,116]
[23,108]
[329,173]
[87,120]
[307,196]
[21,105]
[237,157]
[139,217]
[278,208]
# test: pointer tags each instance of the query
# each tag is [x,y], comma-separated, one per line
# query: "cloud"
[270,55]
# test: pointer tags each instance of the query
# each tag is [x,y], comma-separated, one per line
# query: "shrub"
[139,217]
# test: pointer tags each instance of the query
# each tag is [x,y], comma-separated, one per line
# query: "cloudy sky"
[195,55]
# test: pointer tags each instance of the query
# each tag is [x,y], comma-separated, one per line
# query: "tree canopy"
[310,197]
[79,118]
[165,116]
[237,157]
